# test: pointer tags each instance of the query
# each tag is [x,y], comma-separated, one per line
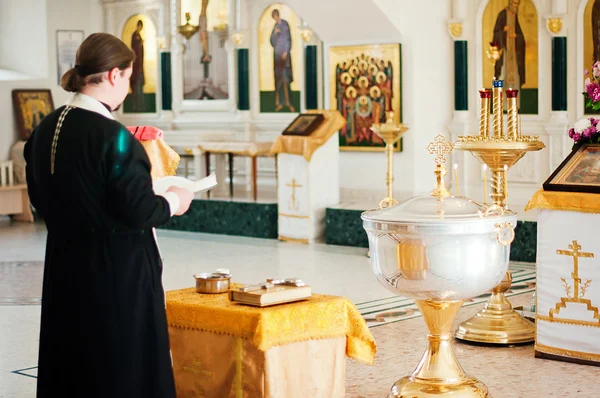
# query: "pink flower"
[586,72]
[596,72]
[587,133]
[576,137]
[594,121]
[571,132]
[593,91]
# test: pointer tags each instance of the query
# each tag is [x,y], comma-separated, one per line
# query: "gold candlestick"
[390,133]
[497,322]
[498,109]
[484,112]
[513,114]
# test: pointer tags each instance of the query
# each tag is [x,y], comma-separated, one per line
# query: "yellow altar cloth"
[163,158]
[222,349]
[306,145]
[319,317]
[564,201]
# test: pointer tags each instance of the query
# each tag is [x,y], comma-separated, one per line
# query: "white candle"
[11,180]
[505,183]
[484,168]
[456,178]
[3,170]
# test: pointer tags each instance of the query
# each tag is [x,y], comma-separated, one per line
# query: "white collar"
[83,101]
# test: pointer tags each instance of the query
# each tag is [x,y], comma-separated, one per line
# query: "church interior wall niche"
[31,106]
[279,58]
[205,57]
[512,25]
[365,83]
[139,33]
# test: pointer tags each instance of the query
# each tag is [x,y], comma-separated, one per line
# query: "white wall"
[15,15]
[427,98]
[83,15]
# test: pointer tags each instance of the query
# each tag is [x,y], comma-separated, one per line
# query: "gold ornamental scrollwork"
[555,25]
[455,29]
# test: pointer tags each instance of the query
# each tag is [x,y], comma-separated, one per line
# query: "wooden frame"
[304,124]
[31,106]
[579,172]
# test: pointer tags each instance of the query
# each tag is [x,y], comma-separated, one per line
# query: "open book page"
[162,184]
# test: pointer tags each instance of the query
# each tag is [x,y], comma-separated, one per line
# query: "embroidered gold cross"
[575,253]
[293,204]
[196,369]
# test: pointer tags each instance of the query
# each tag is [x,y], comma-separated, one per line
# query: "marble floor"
[508,371]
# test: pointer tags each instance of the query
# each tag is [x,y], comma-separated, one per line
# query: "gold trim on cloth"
[296,240]
[566,353]
[163,158]
[239,148]
[306,146]
[565,201]
[319,317]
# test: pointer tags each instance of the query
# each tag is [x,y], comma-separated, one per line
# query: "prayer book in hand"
[161,185]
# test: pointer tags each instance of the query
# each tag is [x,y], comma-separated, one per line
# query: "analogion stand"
[308,179]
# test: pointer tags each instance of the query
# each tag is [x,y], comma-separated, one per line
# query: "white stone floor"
[508,371]
[332,270]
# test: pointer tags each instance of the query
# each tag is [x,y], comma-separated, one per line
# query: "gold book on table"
[278,294]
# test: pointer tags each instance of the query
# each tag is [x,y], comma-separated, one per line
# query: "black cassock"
[103,325]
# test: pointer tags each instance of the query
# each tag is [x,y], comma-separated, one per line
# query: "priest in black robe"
[103,326]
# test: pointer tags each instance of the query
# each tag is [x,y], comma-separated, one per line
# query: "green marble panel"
[461,76]
[257,220]
[165,81]
[243,80]
[524,247]
[559,73]
[311,79]
[344,227]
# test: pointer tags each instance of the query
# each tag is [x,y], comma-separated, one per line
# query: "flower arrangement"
[587,130]
[592,88]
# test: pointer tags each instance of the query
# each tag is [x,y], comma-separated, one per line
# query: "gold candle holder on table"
[497,322]
[390,133]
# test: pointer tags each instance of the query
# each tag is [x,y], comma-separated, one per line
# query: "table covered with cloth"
[568,275]
[225,349]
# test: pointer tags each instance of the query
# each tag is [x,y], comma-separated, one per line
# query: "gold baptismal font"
[498,323]
[390,133]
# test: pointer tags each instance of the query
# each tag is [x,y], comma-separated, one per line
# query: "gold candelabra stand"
[497,322]
[390,133]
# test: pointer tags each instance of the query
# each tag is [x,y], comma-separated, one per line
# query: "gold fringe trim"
[566,321]
[567,353]
[564,201]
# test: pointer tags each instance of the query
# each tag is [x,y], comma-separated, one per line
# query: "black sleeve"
[30,173]
[129,184]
